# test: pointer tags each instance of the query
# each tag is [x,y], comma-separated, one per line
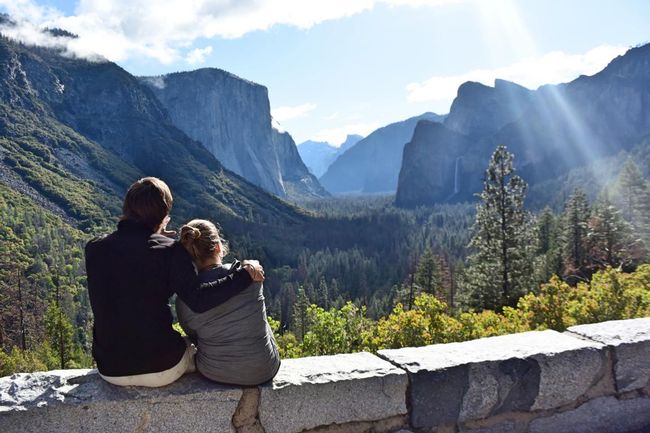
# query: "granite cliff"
[372,165]
[551,131]
[231,117]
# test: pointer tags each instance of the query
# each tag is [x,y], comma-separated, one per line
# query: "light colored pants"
[160,378]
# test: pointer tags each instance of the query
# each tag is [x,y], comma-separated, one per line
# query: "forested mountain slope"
[78,132]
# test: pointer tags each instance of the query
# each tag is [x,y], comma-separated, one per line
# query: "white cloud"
[163,29]
[336,136]
[198,55]
[418,3]
[551,68]
[282,114]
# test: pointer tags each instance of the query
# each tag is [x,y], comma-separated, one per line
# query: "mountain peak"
[231,118]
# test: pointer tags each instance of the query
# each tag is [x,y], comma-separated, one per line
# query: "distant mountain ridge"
[550,130]
[231,117]
[372,165]
[319,155]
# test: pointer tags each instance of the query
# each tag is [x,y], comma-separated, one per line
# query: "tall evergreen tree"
[59,333]
[548,250]
[501,267]
[609,240]
[632,185]
[574,237]
[300,318]
[323,294]
[634,196]
[427,275]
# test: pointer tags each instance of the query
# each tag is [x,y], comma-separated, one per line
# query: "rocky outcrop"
[550,131]
[542,382]
[231,117]
[372,165]
[296,180]
[445,163]
[480,110]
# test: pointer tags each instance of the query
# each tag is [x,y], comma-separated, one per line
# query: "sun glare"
[504,30]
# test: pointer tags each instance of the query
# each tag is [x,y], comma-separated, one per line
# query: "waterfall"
[457,175]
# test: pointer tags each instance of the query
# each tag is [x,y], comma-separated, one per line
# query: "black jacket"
[131,275]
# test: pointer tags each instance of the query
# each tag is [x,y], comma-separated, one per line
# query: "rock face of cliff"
[444,165]
[551,131]
[231,117]
[296,180]
[372,165]
[319,155]
[480,110]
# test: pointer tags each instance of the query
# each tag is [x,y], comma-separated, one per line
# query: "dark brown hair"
[200,238]
[148,201]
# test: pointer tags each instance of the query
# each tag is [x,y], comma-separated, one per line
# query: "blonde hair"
[200,238]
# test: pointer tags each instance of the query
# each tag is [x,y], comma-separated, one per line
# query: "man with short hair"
[132,273]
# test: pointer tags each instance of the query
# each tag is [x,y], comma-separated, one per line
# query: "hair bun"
[189,233]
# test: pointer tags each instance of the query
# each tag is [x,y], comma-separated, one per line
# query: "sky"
[338,67]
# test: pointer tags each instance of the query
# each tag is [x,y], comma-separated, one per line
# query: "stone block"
[507,426]
[316,391]
[601,415]
[80,401]
[630,341]
[482,378]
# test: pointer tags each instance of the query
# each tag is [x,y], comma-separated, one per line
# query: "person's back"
[234,340]
[131,274]
[128,293]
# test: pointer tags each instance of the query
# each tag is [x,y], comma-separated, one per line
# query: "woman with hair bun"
[235,343]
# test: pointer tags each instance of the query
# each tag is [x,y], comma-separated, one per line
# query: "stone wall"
[592,378]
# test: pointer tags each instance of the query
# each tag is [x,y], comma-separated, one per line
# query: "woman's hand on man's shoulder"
[254,269]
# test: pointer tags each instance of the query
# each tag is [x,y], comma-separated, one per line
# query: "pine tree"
[550,257]
[574,237]
[300,317]
[545,231]
[427,275]
[635,199]
[323,294]
[501,267]
[632,184]
[609,240]
[60,333]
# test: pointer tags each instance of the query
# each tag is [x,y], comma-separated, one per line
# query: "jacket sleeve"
[201,297]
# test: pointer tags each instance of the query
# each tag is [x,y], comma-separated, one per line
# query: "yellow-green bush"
[611,295]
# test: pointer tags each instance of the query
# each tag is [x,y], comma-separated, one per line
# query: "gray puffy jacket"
[234,340]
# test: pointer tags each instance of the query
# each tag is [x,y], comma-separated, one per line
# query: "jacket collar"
[133,225]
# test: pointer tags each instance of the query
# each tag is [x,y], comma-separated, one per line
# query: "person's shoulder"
[167,246]
[96,248]
[96,242]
